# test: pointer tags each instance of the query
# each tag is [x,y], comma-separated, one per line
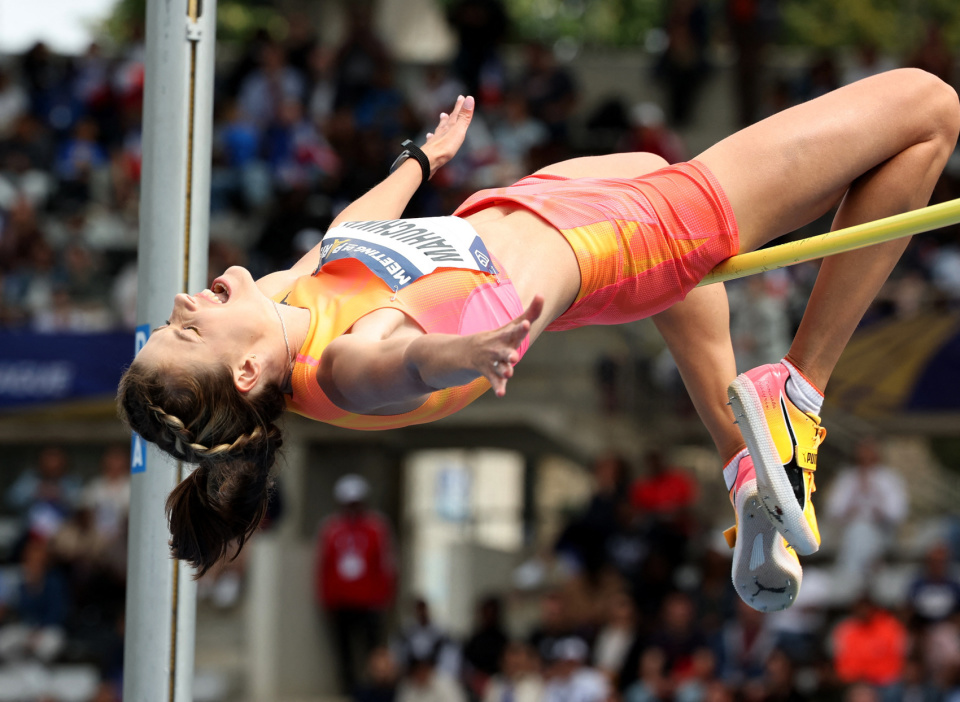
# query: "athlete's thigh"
[790,168]
[628,165]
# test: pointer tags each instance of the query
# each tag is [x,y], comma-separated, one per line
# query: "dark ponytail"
[198,416]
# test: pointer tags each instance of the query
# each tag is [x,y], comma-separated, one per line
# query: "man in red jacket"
[870,646]
[355,574]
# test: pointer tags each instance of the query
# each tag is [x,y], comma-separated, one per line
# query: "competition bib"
[399,251]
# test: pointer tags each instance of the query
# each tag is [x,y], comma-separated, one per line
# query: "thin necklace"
[286,342]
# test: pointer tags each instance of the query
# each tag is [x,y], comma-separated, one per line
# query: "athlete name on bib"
[399,251]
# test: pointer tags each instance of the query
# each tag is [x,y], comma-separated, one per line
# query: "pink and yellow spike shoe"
[766,573]
[783,441]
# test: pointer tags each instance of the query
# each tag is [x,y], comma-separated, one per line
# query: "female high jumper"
[390,322]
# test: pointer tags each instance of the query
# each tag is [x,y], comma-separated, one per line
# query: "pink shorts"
[641,243]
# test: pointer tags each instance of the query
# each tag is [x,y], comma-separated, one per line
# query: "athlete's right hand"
[494,353]
[444,142]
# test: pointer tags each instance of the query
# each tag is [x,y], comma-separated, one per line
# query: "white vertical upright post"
[174,224]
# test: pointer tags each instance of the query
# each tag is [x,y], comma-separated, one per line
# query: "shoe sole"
[764,573]
[773,485]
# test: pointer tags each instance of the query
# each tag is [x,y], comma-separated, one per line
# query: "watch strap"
[412,150]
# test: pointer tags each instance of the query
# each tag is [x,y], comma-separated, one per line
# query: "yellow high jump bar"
[856,237]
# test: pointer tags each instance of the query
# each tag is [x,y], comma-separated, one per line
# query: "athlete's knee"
[948,112]
[937,101]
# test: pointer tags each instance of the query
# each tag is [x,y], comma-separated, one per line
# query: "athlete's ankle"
[733,476]
[801,390]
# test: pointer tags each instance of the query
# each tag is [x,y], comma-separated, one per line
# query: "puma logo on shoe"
[763,588]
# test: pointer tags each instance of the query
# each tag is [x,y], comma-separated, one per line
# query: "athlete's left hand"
[444,142]
[493,354]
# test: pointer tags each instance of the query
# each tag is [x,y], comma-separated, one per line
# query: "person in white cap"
[572,679]
[355,574]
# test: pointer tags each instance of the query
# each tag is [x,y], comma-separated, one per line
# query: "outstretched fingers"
[505,343]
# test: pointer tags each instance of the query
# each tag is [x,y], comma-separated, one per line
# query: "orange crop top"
[352,280]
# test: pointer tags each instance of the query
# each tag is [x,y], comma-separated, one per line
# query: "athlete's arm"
[390,197]
[362,375]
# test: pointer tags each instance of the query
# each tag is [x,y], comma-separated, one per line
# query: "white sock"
[732,469]
[801,391]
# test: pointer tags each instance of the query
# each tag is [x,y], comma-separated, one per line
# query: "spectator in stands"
[714,597]
[745,645]
[360,57]
[424,681]
[649,132]
[108,495]
[696,686]
[83,553]
[381,682]
[868,501]
[322,85]
[553,626]
[652,683]
[516,134]
[481,26]
[664,490]
[933,53]
[869,60]
[519,679]
[861,693]
[779,683]
[628,549]
[678,634]
[240,179]
[751,25]
[665,494]
[46,495]
[79,160]
[616,636]
[297,153]
[272,84]
[761,327]
[571,679]
[933,610]
[549,88]
[917,685]
[383,110]
[683,65]
[582,540]
[869,646]
[435,92]
[36,624]
[423,640]
[934,595]
[355,573]
[13,103]
[484,650]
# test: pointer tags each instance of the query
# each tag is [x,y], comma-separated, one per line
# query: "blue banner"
[38,369]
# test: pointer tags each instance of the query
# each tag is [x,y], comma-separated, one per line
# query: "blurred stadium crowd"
[646,610]
[632,600]
[640,608]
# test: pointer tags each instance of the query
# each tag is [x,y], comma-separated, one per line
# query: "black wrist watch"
[412,150]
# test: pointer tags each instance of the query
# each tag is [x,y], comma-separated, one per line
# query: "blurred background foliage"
[890,25]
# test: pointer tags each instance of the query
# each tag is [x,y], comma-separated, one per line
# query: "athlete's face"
[224,324]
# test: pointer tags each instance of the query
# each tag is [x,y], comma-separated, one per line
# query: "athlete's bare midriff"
[534,254]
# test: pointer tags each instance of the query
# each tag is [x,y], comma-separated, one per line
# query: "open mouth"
[218,292]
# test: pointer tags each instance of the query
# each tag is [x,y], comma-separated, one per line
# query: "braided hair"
[198,416]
